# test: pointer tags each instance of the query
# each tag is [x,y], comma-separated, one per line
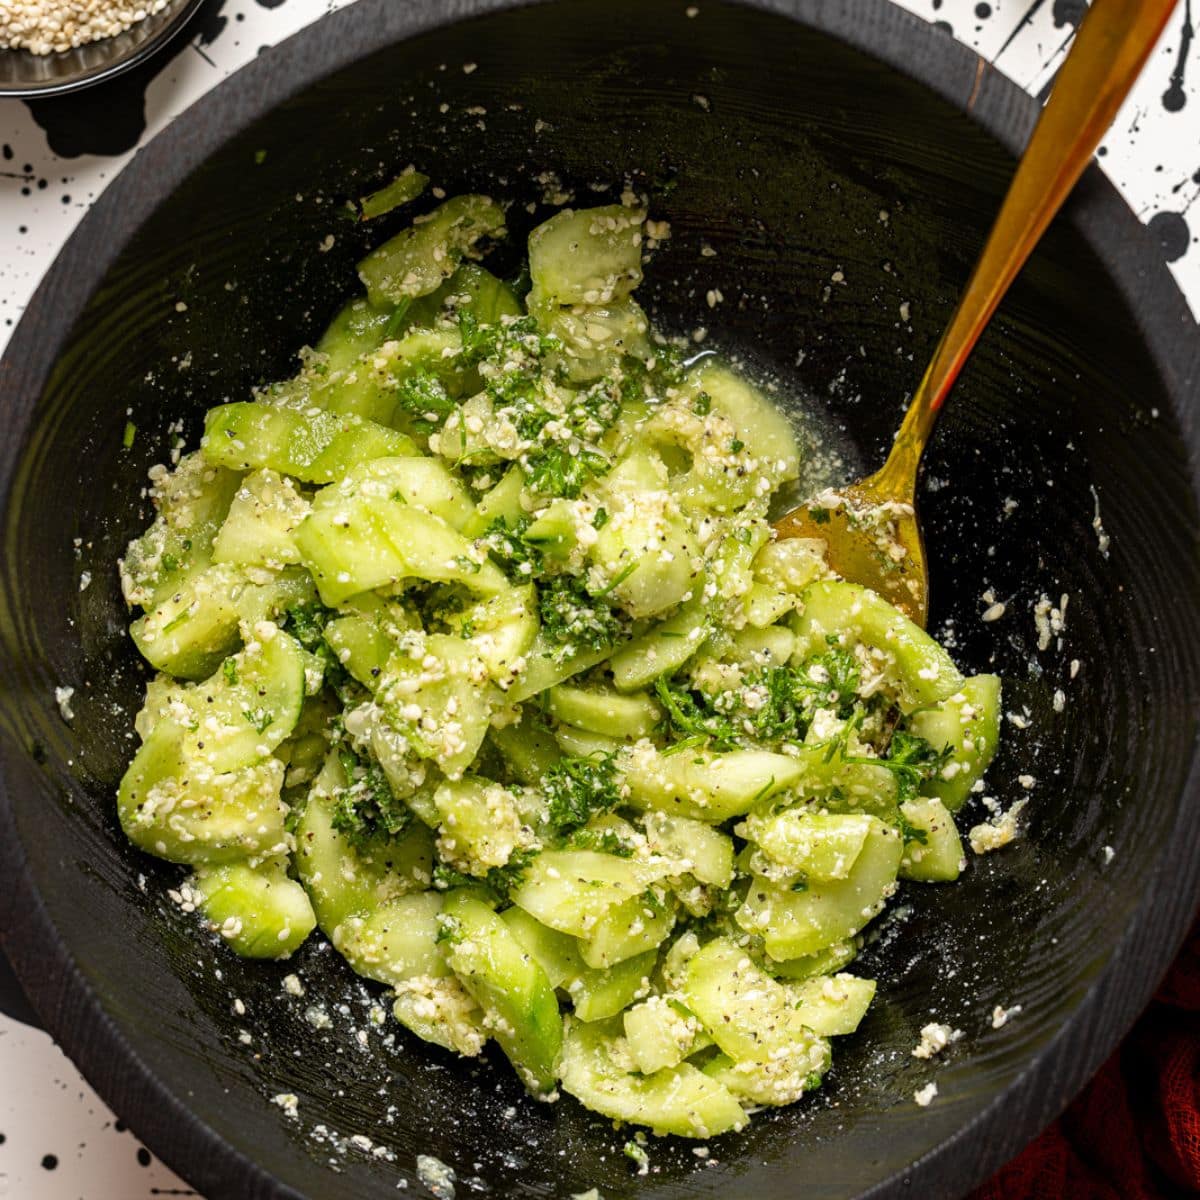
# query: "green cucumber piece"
[628,929]
[480,825]
[600,994]
[824,962]
[396,941]
[775,1056]
[358,328]
[939,857]
[556,953]
[661,1032]
[586,256]
[820,846]
[405,188]
[360,646]
[262,518]
[258,911]
[661,650]
[571,890]
[704,786]
[502,503]
[832,1005]
[417,260]
[189,630]
[247,707]
[502,630]
[969,723]
[794,923]
[680,1099]
[343,881]
[506,981]
[920,668]
[444,709]
[314,445]
[693,847]
[604,712]
[187,813]
[528,750]
[440,1010]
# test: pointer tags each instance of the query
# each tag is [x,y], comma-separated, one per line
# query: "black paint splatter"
[1171,231]
[1174,98]
[1069,12]
[49,1161]
[270,3]
[143,1156]
[983,10]
[70,121]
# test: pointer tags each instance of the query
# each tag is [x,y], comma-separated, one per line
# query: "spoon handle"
[1113,42]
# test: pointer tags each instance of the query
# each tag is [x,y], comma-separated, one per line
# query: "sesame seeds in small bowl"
[48,47]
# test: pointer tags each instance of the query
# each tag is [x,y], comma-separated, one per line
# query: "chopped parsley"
[520,559]
[604,841]
[785,699]
[912,760]
[578,788]
[499,880]
[366,810]
[695,718]
[575,619]
[260,718]
[423,396]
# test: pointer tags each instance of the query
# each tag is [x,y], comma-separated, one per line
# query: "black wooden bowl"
[843,162]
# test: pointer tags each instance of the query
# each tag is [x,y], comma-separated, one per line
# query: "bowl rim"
[72,1011]
[175,23]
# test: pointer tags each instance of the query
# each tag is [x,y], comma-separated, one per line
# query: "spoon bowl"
[870,528]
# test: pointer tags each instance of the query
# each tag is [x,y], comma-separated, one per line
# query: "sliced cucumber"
[417,260]
[680,1099]
[935,855]
[244,710]
[795,923]
[520,1008]
[258,911]
[188,813]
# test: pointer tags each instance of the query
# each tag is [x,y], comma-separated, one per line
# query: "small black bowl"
[832,170]
[23,74]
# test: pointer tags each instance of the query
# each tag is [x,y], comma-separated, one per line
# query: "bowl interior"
[842,204]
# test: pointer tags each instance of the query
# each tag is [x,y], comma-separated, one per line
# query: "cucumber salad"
[474,650]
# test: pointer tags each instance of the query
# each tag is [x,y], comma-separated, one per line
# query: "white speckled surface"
[58,1141]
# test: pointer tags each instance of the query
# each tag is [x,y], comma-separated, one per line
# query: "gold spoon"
[871,527]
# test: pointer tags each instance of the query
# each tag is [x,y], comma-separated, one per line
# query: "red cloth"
[1134,1132]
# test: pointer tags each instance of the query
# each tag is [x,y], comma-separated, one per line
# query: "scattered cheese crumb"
[62,697]
[292,985]
[924,1097]
[995,834]
[994,612]
[1109,855]
[935,1038]
[288,1101]
[1000,1015]
[436,1176]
